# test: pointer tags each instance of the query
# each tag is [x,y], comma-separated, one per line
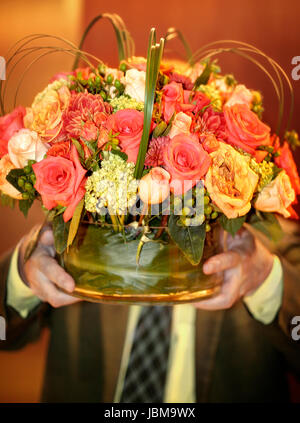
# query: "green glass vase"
[103,265]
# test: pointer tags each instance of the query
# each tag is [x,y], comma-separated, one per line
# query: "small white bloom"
[117,74]
[135,84]
[26,145]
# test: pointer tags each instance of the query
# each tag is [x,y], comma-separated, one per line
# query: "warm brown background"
[272,25]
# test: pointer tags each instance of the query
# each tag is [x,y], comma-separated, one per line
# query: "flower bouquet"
[140,168]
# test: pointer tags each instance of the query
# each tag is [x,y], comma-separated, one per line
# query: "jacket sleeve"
[19,331]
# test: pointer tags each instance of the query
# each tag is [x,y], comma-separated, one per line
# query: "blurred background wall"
[271,25]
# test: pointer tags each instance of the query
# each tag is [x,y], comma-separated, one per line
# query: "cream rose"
[181,124]
[240,95]
[135,84]
[45,114]
[26,145]
[194,72]
[277,196]
[230,181]
[5,167]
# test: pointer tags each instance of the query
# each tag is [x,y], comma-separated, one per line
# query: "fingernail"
[207,268]
[69,286]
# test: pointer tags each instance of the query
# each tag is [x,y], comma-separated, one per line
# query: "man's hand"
[246,264]
[44,275]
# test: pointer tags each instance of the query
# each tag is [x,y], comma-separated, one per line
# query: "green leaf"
[168,128]
[24,206]
[268,224]
[79,148]
[6,200]
[91,145]
[60,232]
[154,56]
[159,129]
[189,239]
[13,177]
[204,77]
[75,223]
[232,225]
[173,33]
[124,40]
[120,154]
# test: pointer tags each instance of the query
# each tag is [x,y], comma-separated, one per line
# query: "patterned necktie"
[147,367]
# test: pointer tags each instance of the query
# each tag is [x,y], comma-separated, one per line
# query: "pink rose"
[127,124]
[9,124]
[154,187]
[172,98]
[186,161]
[244,129]
[60,182]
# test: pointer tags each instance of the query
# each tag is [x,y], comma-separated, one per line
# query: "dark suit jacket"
[238,359]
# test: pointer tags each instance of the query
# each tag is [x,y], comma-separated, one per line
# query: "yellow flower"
[230,181]
[277,196]
[45,114]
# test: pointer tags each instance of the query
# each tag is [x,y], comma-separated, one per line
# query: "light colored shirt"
[263,304]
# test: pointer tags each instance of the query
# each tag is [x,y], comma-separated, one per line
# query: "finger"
[228,295]
[55,297]
[49,267]
[221,262]
[46,236]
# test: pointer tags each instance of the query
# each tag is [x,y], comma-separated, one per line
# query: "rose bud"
[154,187]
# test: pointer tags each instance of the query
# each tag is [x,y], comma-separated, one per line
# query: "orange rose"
[244,129]
[186,161]
[61,181]
[5,167]
[277,196]
[154,187]
[230,181]
[128,125]
[286,161]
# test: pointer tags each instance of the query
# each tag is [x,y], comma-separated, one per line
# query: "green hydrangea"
[112,187]
[125,102]
[213,94]
[265,170]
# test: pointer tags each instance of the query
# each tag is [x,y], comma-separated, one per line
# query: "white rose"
[181,124]
[135,84]
[26,145]
[277,196]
